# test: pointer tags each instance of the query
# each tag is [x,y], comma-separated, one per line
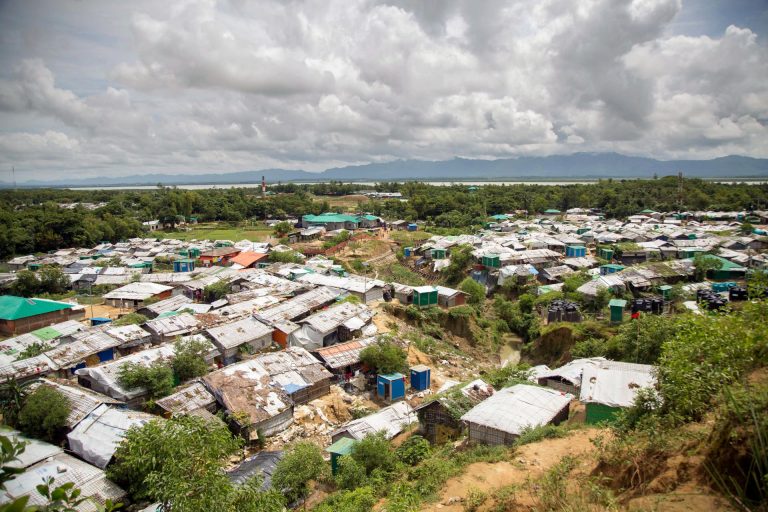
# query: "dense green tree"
[302,463]
[474,290]
[385,357]
[374,452]
[44,413]
[157,378]
[177,462]
[189,358]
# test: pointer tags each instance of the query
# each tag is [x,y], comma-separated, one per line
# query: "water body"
[509,353]
[435,183]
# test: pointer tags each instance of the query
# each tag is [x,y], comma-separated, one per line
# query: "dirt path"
[529,462]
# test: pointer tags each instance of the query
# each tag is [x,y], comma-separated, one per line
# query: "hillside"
[575,166]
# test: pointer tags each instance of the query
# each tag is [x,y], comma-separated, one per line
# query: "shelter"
[440,419]
[82,401]
[256,403]
[263,463]
[339,449]
[567,378]
[611,386]
[96,437]
[505,415]
[187,400]
[136,294]
[247,333]
[40,461]
[337,323]
[343,359]
[19,315]
[389,420]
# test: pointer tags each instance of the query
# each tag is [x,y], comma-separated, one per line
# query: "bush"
[536,434]
[189,360]
[349,474]
[413,450]
[707,352]
[44,413]
[301,464]
[130,319]
[374,452]
[216,291]
[474,290]
[285,257]
[156,378]
[32,350]
[361,499]
[385,357]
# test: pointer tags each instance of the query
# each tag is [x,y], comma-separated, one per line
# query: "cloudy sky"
[118,87]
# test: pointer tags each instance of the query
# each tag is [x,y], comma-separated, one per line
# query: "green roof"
[647,211]
[14,308]
[342,447]
[619,303]
[499,216]
[46,333]
[613,266]
[370,217]
[552,210]
[330,217]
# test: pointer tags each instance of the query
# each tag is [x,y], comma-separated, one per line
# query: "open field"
[350,203]
[220,231]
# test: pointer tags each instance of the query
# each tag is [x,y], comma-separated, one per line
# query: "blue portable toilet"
[184,265]
[420,377]
[100,320]
[412,227]
[407,252]
[391,387]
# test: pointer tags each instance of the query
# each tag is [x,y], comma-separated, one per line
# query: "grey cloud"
[230,85]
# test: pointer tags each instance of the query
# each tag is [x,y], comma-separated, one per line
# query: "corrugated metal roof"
[297,306]
[81,400]
[238,333]
[615,383]
[390,420]
[516,408]
[194,396]
[137,291]
[169,304]
[345,354]
[331,318]
[97,436]
[86,344]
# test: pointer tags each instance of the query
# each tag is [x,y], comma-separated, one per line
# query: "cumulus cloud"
[217,84]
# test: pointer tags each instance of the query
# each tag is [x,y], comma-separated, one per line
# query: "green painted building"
[600,413]
[340,448]
[491,260]
[424,296]
[617,309]
[19,315]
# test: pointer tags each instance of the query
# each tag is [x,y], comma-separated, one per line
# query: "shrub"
[361,499]
[474,290]
[189,360]
[130,319]
[32,350]
[413,450]
[349,474]
[536,434]
[156,378]
[302,463]
[44,413]
[374,452]
[216,291]
[385,357]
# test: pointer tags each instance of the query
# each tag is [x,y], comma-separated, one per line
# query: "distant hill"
[576,166]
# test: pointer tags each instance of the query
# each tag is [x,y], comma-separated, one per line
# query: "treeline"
[34,222]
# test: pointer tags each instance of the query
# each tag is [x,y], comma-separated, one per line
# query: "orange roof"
[246,259]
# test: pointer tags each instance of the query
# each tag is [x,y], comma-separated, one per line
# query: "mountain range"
[575,166]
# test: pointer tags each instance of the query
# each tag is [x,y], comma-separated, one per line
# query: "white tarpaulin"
[615,384]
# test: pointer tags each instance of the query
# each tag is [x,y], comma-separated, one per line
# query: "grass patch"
[220,231]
